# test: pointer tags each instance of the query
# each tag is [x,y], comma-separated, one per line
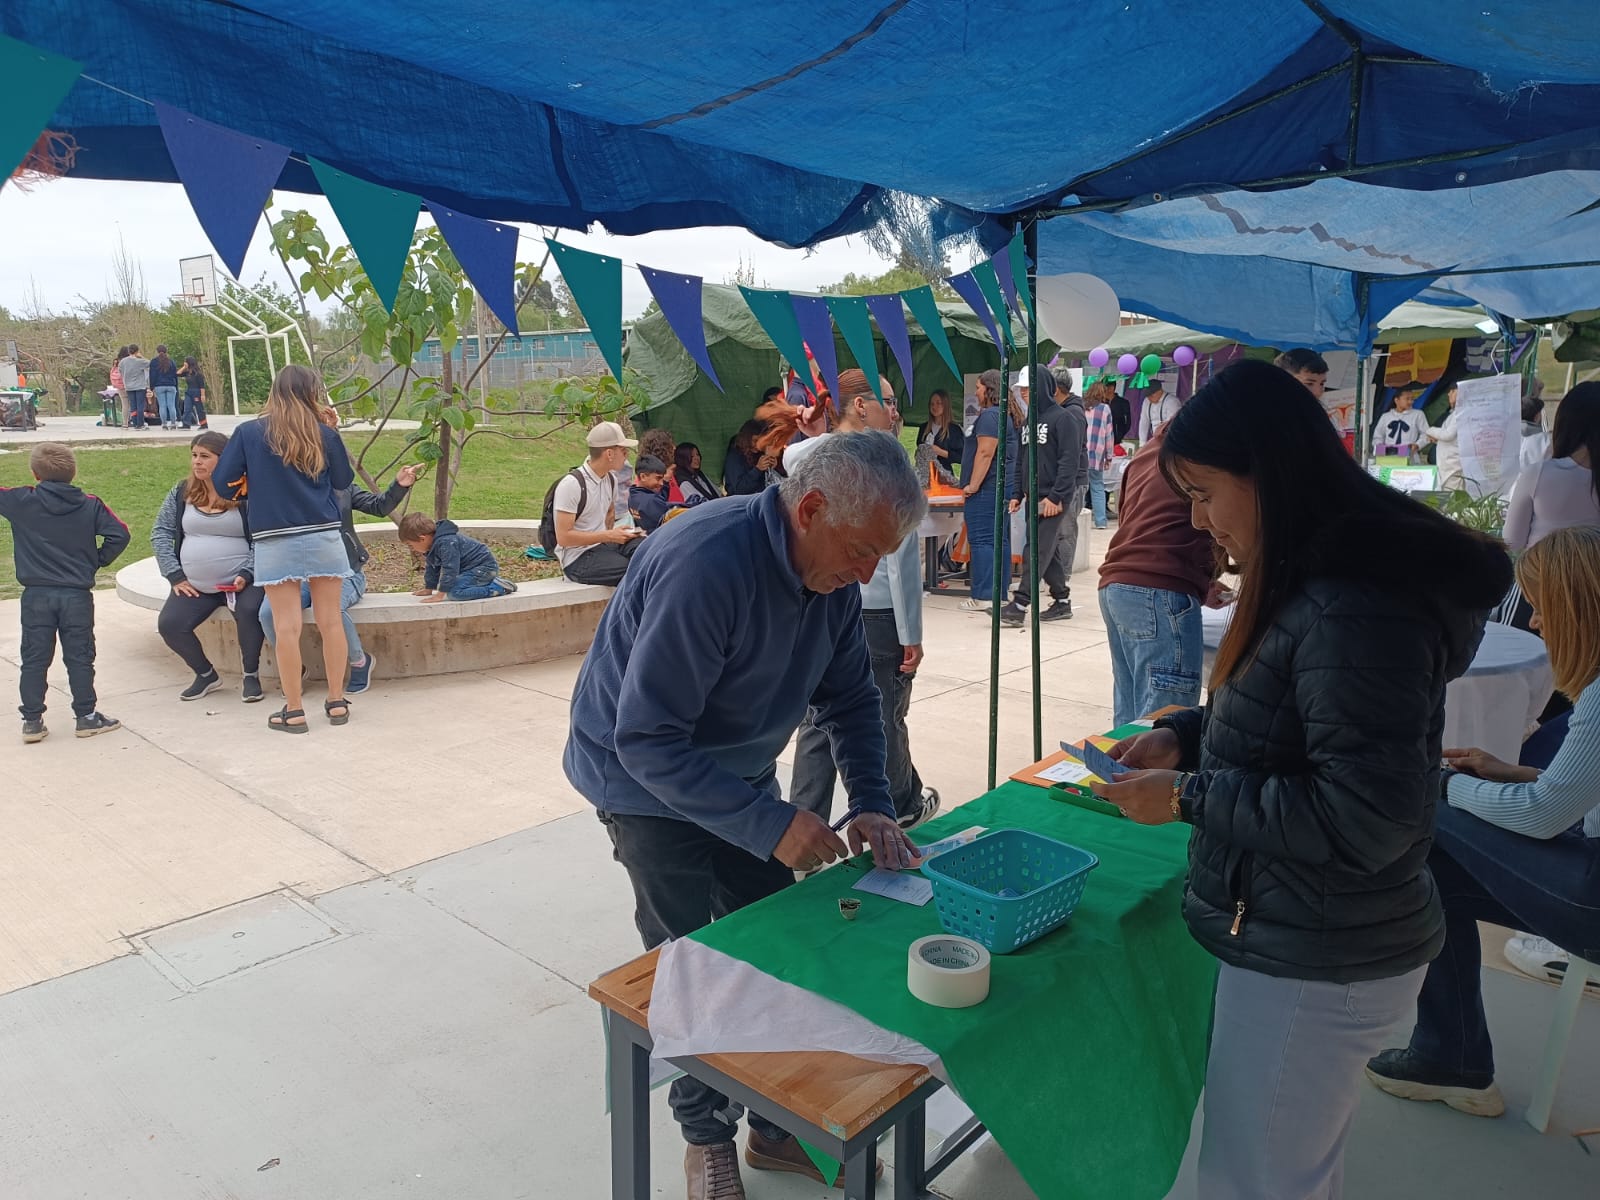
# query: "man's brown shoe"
[713,1172]
[789,1155]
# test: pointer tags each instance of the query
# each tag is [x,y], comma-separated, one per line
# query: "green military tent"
[684,401]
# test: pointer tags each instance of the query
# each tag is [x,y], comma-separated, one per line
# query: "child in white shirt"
[1402,426]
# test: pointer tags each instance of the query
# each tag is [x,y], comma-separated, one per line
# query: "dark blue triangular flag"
[816,326]
[679,298]
[967,288]
[1001,262]
[891,318]
[228,177]
[487,252]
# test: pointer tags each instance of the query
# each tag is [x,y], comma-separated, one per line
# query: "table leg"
[861,1175]
[910,1155]
[930,570]
[630,1112]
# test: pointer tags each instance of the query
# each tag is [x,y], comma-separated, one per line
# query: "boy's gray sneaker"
[250,691]
[97,723]
[34,731]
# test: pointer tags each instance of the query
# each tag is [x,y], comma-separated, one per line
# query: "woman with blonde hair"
[293,467]
[1515,845]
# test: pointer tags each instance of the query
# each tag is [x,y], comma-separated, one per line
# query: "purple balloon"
[1127,365]
[1183,356]
[1099,357]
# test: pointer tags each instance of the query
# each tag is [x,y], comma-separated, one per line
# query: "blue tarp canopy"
[802,119]
[1317,265]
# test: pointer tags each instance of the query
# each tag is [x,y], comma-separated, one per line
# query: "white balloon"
[1076,311]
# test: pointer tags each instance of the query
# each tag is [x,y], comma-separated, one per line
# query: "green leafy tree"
[434,301]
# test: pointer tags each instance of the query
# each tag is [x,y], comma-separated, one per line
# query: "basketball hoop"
[190,299]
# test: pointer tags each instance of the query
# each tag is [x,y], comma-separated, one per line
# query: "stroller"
[19,410]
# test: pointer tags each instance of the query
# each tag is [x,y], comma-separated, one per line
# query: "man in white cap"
[588,545]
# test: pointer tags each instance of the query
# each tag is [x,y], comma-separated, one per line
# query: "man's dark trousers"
[684,877]
[604,564]
[1058,546]
[49,613]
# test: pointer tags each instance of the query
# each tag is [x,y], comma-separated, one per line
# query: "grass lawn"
[499,478]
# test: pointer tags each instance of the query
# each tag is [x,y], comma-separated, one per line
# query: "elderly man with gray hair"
[690,692]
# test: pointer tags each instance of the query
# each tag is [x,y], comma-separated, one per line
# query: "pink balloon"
[1099,357]
[1184,356]
[1127,365]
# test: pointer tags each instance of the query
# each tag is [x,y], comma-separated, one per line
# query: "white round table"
[1494,706]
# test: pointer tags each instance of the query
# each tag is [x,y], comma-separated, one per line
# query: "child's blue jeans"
[480,589]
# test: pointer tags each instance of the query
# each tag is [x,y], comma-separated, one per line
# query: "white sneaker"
[971,605]
[1541,958]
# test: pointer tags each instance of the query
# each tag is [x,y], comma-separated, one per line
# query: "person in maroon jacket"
[1157,573]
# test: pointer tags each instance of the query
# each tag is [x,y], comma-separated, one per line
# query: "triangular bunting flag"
[855,323]
[891,318]
[828,1166]
[1018,263]
[227,177]
[1001,262]
[487,252]
[967,288]
[380,223]
[36,83]
[990,284]
[816,327]
[774,312]
[679,298]
[926,310]
[595,281]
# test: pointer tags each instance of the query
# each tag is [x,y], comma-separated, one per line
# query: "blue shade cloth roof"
[793,117]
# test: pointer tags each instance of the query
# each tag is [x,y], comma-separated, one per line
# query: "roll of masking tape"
[950,972]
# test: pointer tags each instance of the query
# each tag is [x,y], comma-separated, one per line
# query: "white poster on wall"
[1489,424]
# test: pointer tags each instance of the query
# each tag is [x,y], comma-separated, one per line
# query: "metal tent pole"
[1002,563]
[1030,245]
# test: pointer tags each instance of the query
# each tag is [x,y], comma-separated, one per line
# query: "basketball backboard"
[198,278]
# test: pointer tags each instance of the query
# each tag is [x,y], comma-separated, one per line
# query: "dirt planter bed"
[543,619]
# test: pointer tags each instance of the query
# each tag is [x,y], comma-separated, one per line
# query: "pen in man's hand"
[850,815]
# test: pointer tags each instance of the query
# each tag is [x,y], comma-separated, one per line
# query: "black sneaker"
[34,731]
[203,685]
[1401,1073]
[97,723]
[250,691]
[928,811]
[1013,614]
[1061,610]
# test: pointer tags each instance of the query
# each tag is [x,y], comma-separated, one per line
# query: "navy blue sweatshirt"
[454,555]
[62,535]
[689,693]
[282,500]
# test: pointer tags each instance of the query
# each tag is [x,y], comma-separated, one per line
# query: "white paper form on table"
[904,886]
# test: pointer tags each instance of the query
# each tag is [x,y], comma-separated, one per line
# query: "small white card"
[905,886]
[1068,770]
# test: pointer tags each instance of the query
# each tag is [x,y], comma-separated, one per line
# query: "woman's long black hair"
[1577,427]
[1258,422]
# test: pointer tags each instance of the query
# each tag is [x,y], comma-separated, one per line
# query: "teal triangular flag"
[828,1166]
[774,312]
[379,221]
[926,310]
[36,83]
[989,283]
[854,319]
[1019,271]
[595,281]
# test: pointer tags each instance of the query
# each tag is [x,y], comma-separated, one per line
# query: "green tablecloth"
[1088,1057]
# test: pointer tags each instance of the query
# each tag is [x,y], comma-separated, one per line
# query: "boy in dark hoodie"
[644,498]
[458,567]
[1063,464]
[62,536]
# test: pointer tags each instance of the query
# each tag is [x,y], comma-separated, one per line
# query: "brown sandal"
[280,720]
[343,718]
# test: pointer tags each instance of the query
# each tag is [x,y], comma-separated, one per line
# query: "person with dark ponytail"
[1312,776]
[194,395]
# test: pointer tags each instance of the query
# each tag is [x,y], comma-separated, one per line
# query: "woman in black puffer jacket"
[1312,775]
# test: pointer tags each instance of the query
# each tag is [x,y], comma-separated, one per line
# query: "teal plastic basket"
[1008,887]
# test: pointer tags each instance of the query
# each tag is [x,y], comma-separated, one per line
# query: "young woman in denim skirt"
[293,467]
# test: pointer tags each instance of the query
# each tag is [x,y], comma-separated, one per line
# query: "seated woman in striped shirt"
[1516,846]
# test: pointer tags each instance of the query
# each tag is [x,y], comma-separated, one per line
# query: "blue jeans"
[1550,888]
[167,401]
[1097,497]
[194,410]
[349,596]
[1156,649]
[136,408]
[468,588]
[979,512]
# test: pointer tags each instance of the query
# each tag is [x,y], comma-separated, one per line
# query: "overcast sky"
[61,236]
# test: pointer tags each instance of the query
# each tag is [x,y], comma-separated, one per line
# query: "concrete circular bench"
[544,618]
